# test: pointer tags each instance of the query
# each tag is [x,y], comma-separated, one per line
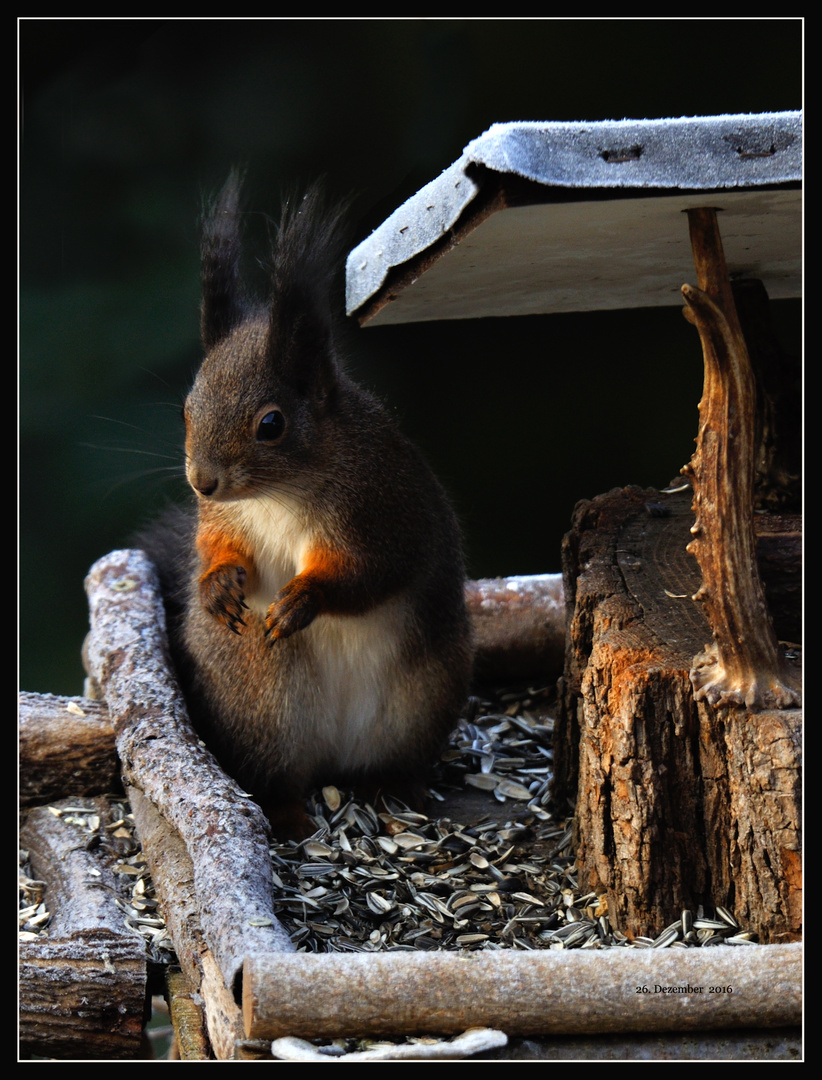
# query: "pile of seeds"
[33,914]
[373,879]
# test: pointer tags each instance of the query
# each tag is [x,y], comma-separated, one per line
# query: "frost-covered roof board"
[549,217]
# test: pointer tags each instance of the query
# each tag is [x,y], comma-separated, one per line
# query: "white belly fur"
[359,677]
[276,531]
[358,682]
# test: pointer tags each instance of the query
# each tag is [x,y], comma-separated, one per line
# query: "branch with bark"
[83,984]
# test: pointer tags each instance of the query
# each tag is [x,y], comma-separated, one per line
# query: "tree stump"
[677,803]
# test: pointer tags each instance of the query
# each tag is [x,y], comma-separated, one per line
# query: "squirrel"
[315,597]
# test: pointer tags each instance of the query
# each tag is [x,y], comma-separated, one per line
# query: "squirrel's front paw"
[221,592]
[294,608]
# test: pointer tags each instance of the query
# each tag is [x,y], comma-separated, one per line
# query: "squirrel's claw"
[222,596]
[295,607]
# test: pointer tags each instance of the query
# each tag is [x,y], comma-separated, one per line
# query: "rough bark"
[83,985]
[676,805]
[224,832]
[66,748]
[752,792]
[186,1018]
[172,873]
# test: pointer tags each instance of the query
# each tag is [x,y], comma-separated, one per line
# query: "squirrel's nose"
[203,482]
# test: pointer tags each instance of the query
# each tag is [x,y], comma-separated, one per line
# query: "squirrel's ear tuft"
[310,247]
[223,304]
[307,284]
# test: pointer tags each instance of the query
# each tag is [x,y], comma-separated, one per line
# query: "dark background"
[126,125]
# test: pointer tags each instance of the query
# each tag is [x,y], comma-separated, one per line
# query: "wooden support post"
[743,664]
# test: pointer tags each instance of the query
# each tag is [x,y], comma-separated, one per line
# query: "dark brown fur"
[316,605]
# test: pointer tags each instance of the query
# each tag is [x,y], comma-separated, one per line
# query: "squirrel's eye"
[271,426]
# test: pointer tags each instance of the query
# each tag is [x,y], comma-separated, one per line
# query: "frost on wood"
[224,832]
[743,664]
